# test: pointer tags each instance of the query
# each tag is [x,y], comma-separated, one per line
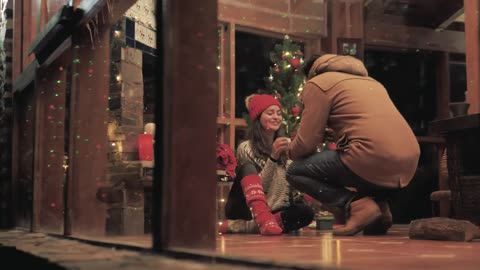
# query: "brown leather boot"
[362,213]
[381,225]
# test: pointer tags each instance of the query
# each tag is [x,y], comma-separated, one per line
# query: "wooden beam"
[48,199]
[443,85]
[229,121]
[221,71]
[345,20]
[297,37]
[450,20]
[230,133]
[221,83]
[88,131]
[295,4]
[185,174]
[431,139]
[276,16]
[400,36]
[472,54]
[23,135]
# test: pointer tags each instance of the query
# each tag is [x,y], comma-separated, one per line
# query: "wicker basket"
[465,188]
[466,198]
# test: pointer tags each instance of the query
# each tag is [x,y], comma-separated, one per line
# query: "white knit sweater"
[275,185]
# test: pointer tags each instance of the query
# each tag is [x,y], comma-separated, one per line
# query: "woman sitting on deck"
[260,187]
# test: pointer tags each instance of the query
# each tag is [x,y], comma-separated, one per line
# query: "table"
[462,136]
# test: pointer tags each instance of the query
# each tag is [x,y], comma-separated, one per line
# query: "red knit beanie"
[256,104]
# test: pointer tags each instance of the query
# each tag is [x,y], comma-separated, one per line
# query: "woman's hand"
[279,146]
[329,135]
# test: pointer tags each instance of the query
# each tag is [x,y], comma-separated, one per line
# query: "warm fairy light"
[119,78]
[118,33]
[220,223]
[218,67]
[222,200]
[113,144]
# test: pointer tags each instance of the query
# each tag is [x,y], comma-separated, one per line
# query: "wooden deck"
[323,250]
[317,248]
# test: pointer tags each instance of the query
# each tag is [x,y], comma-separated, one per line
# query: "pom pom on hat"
[256,104]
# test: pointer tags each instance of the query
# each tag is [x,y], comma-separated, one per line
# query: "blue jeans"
[324,177]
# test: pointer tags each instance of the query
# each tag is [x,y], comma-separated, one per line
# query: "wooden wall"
[282,16]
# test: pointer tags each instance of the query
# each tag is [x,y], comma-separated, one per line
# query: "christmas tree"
[286,80]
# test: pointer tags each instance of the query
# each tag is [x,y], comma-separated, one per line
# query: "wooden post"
[88,131]
[443,100]
[48,200]
[221,82]
[184,187]
[23,135]
[472,54]
[345,20]
[443,82]
[231,89]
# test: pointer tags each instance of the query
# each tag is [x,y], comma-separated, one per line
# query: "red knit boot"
[255,198]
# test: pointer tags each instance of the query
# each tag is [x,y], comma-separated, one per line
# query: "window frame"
[227,123]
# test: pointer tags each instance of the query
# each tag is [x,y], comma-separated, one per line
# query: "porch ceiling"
[435,14]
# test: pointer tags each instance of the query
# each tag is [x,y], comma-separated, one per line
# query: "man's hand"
[279,146]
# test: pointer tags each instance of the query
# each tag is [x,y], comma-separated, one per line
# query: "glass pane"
[252,66]
[120,136]
[408,46]
[412,97]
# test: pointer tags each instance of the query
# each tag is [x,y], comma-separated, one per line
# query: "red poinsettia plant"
[226,159]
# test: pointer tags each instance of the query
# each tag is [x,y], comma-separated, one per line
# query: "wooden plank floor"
[320,248]
[310,247]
